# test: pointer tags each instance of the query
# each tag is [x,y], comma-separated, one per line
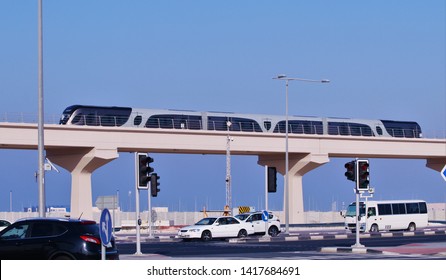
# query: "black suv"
[53,239]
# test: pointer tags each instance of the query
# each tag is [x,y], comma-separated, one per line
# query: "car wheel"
[273,231]
[412,227]
[206,235]
[62,257]
[242,233]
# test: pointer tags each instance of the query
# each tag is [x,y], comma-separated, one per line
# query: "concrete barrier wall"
[164,218]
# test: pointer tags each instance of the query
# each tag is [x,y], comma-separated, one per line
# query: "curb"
[353,250]
[335,236]
[132,239]
[291,237]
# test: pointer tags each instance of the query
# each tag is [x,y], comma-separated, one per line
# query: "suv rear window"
[91,228]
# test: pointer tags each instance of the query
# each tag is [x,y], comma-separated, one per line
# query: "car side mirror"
[217,224]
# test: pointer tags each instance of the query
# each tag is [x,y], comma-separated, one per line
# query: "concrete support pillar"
[436,164]
[299,165]
[81,162]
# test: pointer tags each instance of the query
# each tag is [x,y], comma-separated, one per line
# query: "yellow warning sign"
[244,209]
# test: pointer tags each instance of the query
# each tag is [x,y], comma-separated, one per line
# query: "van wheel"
[374,228]
[412,227]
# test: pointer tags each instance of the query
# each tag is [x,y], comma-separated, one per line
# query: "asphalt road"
[300,249]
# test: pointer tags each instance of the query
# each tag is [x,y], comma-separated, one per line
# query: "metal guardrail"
[243,126]
[27,118]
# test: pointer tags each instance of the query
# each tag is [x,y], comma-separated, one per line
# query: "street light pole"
[41,147]
[286,202]
[228,170]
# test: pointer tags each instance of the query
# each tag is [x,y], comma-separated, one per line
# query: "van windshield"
[351,210]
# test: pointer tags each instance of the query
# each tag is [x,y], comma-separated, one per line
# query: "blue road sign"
[265,216]
[105,227]
[443,173]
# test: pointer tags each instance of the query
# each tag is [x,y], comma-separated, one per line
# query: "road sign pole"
[103,252]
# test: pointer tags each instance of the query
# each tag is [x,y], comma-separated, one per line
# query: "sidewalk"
[436,248]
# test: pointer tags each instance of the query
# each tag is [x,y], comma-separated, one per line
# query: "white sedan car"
[255,219]
[220,227]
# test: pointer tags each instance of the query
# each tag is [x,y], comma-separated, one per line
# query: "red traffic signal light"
[364,175]
[351,171]
[154,184]
[144,170]
[272,179]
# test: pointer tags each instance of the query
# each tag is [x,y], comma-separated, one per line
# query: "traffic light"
[351,171]
[154,184]
[272,179]
[364,175]
[144,170]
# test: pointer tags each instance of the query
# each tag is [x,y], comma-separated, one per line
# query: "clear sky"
[385,60]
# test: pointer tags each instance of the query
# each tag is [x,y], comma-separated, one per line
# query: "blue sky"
[385,60]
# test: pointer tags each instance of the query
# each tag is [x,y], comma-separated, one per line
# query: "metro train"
[224,121]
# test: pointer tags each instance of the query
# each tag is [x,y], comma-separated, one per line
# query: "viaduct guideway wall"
[81,150]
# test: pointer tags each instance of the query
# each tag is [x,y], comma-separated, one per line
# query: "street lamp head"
[325,81]
[280,76]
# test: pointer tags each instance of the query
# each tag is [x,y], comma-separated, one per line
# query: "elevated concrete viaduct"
[81,150]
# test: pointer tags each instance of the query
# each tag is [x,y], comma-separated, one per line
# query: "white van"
[387,215]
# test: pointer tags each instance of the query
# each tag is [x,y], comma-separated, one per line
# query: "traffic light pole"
[358,215]
[138,220]
[266,200]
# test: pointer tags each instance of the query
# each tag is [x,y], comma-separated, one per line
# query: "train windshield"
[403,129]
[95,116]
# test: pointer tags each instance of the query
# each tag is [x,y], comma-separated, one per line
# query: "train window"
[346,128]
[379,130]
[92,120]
[267,125]
[237,124]
[174,121]
[110,120]
[137,120]
[299,127]
[78,120]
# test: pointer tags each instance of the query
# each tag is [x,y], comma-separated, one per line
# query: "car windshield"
[206,221]
[242,217]
[17,232]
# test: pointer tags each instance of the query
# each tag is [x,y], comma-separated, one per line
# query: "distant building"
[49,209]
